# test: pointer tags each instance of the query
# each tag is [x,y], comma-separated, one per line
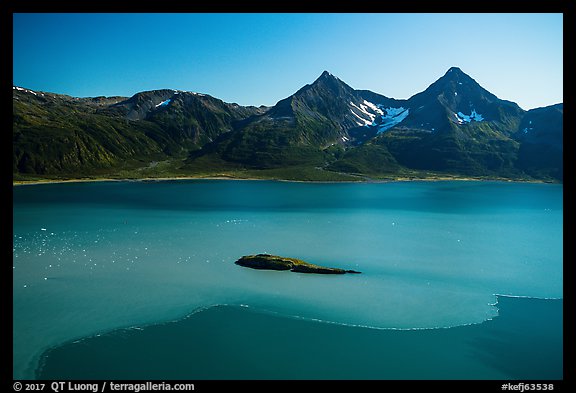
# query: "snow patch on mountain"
[392,117]
[164,103]
[364,110]
[363,121]
[461,118]
[191,92]
[372,106]
[25,90]
[527,129]
[377,115]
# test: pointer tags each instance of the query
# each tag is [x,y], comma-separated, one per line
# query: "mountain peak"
[326,76]
[455,76]
[454,69]
[330,82]
[455,73]
[455,126]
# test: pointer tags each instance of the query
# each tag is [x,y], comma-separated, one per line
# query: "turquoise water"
[90,258]
[230,342]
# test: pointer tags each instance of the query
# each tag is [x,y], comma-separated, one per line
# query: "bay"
[228,342]
[89,258]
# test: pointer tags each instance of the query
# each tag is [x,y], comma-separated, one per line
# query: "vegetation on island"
[275,262]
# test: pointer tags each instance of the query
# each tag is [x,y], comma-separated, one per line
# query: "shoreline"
[105,179]
[513,313]
[366,180]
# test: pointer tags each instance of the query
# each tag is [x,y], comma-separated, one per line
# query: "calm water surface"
[93,257]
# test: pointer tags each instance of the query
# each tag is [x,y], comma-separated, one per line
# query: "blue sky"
[259,59]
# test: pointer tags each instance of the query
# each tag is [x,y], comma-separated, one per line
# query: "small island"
[275,262]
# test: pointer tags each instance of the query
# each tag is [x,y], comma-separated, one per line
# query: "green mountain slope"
[55,134]
[326,130]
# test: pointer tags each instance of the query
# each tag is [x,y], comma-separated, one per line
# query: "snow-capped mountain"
[454,126]
[335,104]
[457,99]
